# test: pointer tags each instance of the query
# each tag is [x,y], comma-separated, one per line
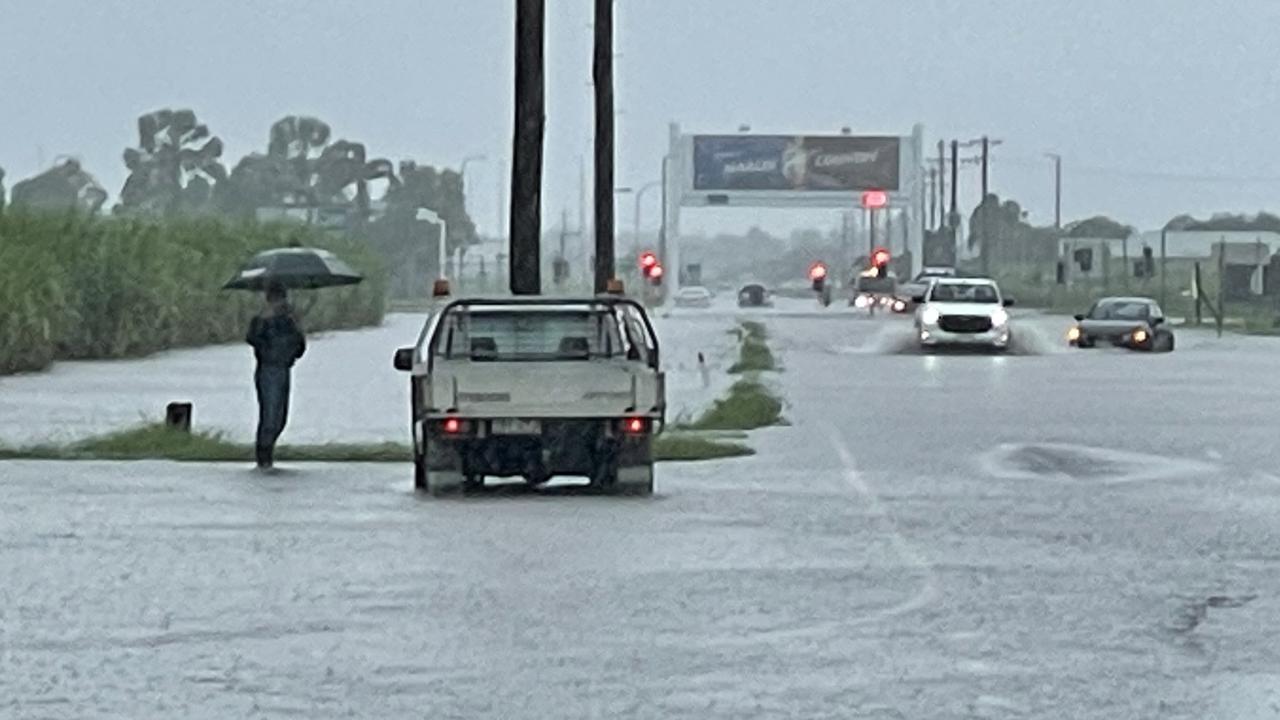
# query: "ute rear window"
[529,335]
[963,292]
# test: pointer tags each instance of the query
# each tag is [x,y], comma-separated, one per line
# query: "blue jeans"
[272,384]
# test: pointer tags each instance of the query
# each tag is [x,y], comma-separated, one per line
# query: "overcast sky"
[1157,108]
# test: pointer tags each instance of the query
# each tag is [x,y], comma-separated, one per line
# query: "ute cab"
[965,312]
[535,388]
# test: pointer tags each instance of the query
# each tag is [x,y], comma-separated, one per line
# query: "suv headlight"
[999,317]
[929,316]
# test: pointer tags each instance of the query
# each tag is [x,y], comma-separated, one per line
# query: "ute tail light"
[455,427]
[635,426]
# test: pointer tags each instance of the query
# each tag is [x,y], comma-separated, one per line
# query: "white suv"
[963,312]
[533,388]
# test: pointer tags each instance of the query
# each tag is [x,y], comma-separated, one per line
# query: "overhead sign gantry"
[794,171]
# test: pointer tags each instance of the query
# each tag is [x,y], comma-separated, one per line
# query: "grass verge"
[748,405]
[686,447]
[157,442]
[753,352]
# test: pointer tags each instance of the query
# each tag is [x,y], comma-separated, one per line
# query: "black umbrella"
[293,267]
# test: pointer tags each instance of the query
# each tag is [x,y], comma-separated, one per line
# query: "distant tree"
[302,169]
[409,245]
[1,189]
[1003,232]
[1227,222]
[1099,226]
[175,167]
[64,186]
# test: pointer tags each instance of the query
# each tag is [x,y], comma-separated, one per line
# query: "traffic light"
[560,270]
[651,268]
[880,258]
[874,199]
[1148,261]
[818,276]
[653,274]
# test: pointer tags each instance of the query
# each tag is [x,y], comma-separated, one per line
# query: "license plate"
[516,426]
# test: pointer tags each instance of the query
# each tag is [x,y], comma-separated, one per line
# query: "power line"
[1162,175]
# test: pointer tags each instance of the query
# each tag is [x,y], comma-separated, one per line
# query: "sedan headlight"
[999,317]
[1073,333]
[930,316]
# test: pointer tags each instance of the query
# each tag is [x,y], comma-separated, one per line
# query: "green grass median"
[754,354]
[750,404]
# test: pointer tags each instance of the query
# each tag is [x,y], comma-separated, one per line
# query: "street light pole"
[462,171]
[432,217]
[1057,191]
[635,239]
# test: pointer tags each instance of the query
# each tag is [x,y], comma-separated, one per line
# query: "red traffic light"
[648,260]
[874,199]
[880,257]
[817,271]
[654,270]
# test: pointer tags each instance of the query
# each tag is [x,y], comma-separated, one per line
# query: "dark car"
[870,292]
[1136,323]
[754,295]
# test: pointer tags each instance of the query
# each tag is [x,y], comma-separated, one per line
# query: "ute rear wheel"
[635,481]
[444,483]
[437,483]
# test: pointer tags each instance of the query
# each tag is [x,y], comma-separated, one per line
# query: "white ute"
[966,312]
[534,388]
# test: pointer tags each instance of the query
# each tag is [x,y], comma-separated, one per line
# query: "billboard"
[795,163]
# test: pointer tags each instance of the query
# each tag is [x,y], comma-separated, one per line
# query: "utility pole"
[942,183]
[1057,191]
[954,218]
[986,153]
[1164,249]
[602,77]
[662,227]
[1057,188]
[934,192]
[1057,213]
[526,156]
[988,247]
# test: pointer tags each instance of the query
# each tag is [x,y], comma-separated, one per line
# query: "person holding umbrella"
[278,343]
[276,334]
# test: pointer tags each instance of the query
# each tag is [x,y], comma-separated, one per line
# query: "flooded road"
[1082,535]
[344,388]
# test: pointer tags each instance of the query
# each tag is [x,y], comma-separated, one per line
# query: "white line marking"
[929,588]
[911,557]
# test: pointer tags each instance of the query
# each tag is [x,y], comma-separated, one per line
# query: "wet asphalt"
[1047,534]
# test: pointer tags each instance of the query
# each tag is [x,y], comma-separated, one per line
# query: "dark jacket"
[276,340]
